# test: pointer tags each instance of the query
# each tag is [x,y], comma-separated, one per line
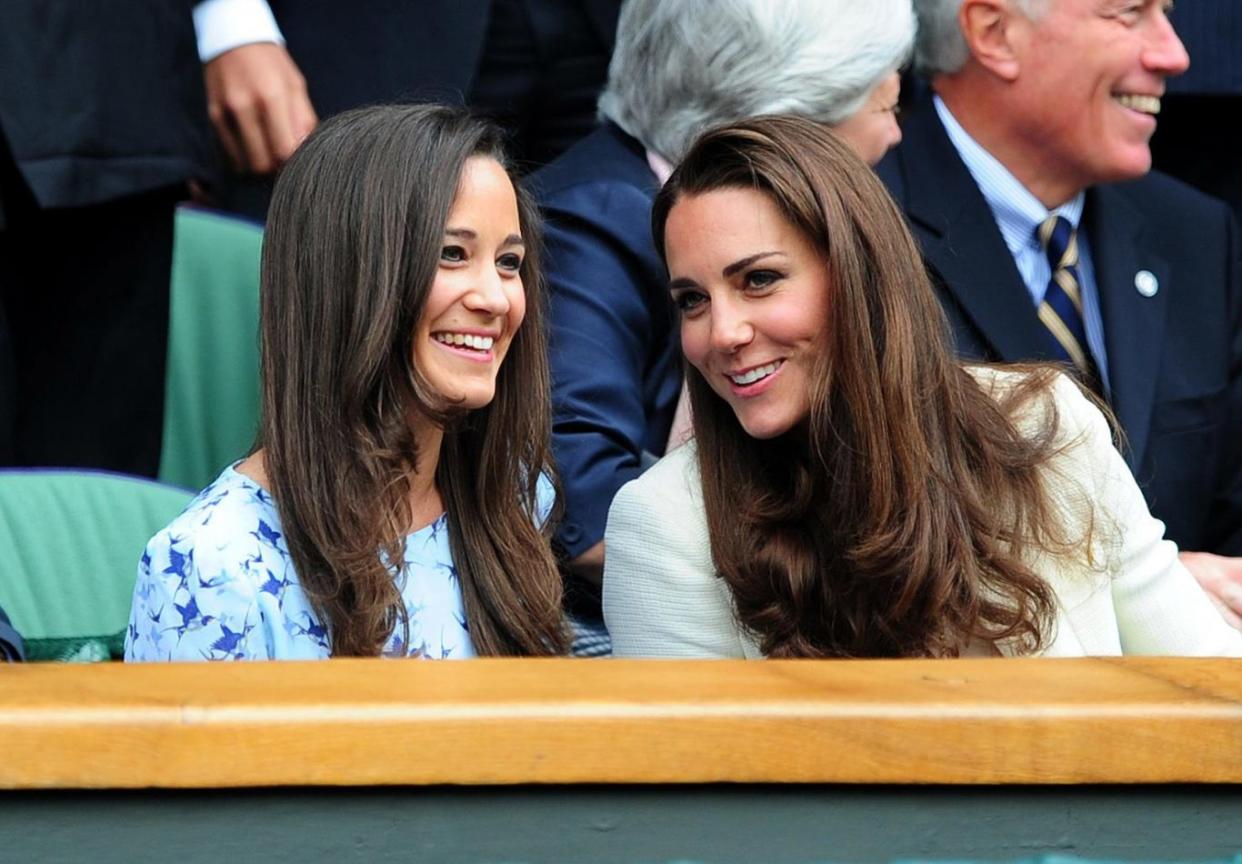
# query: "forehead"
[1107,8]
[703,216]
[728,223]
[484,183]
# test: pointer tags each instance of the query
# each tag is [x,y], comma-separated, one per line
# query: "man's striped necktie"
[1061,311]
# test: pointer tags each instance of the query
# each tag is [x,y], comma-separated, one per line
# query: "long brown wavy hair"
[352,246]
[900,520]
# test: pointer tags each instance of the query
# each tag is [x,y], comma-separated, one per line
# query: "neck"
[984,111]
[425,502]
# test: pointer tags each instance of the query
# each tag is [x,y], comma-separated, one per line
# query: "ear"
[993,30]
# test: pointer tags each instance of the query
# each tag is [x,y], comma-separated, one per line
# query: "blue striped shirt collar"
[1016,210]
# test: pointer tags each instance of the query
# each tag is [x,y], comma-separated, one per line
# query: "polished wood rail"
[382,722]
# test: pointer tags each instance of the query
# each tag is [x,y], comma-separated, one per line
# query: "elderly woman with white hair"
[678,69]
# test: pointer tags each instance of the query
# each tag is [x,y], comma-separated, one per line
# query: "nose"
[1163,51]
[488,295]
[894,135]
[731,329]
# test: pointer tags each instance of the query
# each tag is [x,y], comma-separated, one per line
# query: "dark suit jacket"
[1212,33]
[616,370]
[99,103]
[367,51]
[1175,359]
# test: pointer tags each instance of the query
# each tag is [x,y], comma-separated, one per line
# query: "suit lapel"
[962,243]
[1133,323]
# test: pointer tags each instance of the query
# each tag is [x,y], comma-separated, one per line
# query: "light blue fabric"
[218,584]
[1018,213]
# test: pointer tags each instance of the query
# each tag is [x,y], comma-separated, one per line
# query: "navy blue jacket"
[1174,358]
[616,370]
[1212,33]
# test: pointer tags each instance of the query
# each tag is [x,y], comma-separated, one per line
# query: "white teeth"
[755,374]
[1136,102]
[465,340]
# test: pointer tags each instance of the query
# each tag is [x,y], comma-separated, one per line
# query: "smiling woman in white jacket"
[851,489]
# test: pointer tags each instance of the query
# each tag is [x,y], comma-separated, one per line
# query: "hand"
[590,565]
[257,101]
[1221,578]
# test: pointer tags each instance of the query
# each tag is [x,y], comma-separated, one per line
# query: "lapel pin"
[1146,283]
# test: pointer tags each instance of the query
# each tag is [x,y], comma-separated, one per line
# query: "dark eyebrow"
[471,234]
[682,283]
[746,262]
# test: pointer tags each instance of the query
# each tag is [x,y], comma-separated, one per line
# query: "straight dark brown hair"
[352,246]
[901,521]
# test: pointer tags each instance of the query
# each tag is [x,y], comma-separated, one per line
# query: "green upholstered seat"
[211,393]
[70,542]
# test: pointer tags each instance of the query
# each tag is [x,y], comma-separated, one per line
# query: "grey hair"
[940,47]
[683,66]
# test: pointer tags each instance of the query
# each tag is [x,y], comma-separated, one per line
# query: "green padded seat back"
[70,542]
[211,394]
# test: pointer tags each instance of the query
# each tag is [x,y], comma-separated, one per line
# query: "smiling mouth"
[1139,102]
[465,341]
[755,375]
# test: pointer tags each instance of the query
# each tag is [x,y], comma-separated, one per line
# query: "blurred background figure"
[274,68]
[677,69]
[102,126]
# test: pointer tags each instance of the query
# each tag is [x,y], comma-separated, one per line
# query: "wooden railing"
[377,722]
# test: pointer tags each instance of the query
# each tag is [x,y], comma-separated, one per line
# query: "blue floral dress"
[218,584]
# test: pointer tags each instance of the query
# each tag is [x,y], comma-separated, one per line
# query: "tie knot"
[1059,240]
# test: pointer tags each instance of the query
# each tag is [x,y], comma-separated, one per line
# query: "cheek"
[517,305]
[695,340]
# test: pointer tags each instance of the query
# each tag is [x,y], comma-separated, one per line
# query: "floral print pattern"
[218,584]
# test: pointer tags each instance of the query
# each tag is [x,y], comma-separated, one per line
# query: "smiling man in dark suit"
[1025,177]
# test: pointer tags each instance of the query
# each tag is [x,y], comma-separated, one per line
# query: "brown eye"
[688,301]
[453,254]
[762,278]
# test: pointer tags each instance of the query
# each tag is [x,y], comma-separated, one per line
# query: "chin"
[1128,163]
[474,400]
[764,429]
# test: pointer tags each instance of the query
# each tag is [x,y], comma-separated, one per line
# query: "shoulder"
[211,585]
[670,486]
[602,170]
[1180,211]
[662,597]
[657,524]
[1157,187]
[228,528]
[1051,397]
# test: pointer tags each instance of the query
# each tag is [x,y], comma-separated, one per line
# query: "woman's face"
[752,293]
[872,130]
[477,301]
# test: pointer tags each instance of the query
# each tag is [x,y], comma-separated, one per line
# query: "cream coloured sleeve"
[661,594]
[1160,608]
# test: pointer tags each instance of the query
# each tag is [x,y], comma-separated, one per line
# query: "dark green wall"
[634,825]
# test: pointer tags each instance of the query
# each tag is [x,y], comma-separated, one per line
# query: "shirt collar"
[1016,210]
[660,167]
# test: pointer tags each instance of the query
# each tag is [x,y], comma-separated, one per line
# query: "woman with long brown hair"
[852,490]
[396,503]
